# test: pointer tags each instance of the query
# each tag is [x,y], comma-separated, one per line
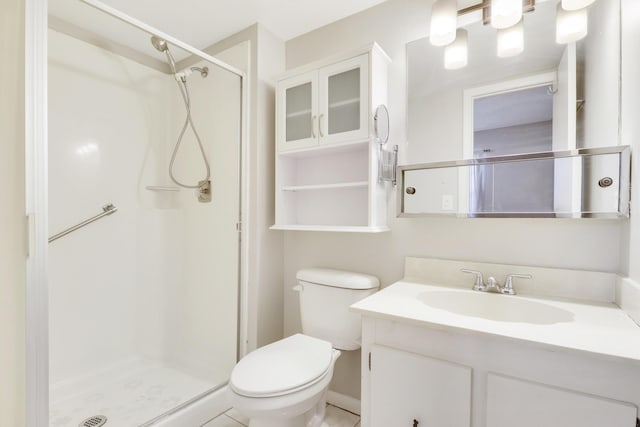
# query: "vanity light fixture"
[507,16]
[571,25]
[444,18]
[505,13]
[456,54]
[576,4]
[511,41]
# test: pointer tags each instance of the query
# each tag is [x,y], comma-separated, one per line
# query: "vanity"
[559,353]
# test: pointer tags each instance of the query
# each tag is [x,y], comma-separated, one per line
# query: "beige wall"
[581,244]
[12,210]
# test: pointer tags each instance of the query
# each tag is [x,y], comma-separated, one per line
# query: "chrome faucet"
[508,283]
[493,285]
[479,285]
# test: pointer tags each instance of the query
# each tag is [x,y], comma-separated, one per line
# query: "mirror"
[381,124]
[549,97]
[585,183]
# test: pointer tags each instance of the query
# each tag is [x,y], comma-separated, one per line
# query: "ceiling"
[202,23]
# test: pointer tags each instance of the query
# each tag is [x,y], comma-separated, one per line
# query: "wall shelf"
[299,113]
[331,228]
[162,188]
[357,184]
[344,103]
[326,161]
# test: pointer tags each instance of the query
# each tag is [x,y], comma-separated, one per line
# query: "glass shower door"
[144,302]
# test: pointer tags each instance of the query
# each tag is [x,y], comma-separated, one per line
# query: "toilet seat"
[283,367]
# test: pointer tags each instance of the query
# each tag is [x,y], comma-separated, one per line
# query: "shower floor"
[130,399]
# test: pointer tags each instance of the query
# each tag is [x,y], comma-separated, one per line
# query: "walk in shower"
[144,297]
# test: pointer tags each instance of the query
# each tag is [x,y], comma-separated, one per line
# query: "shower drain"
[95,421]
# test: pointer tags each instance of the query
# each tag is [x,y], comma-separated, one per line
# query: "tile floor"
[335,417]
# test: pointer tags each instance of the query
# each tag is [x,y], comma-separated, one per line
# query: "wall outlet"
[447,202]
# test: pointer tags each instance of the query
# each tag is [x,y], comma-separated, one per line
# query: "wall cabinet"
[326,160]
[329,105]
[418,376]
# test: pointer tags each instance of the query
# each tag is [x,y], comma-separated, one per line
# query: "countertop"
[602,329]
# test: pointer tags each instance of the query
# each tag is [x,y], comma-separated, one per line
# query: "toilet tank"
[325,297]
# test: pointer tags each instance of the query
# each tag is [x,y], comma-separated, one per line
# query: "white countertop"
[602,329]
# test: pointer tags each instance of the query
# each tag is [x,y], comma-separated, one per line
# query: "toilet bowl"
[284,384]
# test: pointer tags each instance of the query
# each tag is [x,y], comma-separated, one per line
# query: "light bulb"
[455,54]
[511,41]
[571,26]
[444,17]
[576,4]
[505,13]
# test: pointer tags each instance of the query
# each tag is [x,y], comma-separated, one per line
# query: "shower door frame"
[36,201]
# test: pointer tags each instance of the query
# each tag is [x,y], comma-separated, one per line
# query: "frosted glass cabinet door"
[344,101]
[409,390]
[297,112]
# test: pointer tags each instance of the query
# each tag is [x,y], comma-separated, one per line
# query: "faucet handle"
[508,283]
[479,285]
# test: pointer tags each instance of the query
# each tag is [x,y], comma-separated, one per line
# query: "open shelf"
[334,228]
[358,184]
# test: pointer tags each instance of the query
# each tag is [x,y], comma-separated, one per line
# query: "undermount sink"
[491,306]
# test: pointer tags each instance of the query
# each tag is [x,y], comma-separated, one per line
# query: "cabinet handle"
[415,423]
[313,123]
[320,125]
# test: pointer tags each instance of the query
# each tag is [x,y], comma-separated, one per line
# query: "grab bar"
[107,209]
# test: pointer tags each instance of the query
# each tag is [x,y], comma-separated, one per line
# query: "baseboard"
[343,401]
[628,297]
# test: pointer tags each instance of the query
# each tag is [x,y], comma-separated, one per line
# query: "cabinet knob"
[415,423]
[411,190]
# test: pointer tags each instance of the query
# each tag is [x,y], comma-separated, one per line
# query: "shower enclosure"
[144,301]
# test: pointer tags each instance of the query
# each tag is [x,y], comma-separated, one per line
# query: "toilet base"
[312,418]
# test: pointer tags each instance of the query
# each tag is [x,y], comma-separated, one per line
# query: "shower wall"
[108,123]
[157,281]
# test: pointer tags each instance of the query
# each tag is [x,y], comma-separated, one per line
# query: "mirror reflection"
[548,97]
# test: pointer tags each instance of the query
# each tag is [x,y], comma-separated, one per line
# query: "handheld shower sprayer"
[203,186]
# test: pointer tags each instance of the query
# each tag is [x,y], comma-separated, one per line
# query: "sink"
[497,307]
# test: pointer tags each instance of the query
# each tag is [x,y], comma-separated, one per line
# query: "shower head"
[162,46]
[159,43]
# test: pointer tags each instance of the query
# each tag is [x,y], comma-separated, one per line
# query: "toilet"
[285,384]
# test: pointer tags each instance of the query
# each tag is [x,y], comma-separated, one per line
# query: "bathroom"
[268,260]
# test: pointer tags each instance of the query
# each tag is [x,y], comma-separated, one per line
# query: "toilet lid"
[284,365]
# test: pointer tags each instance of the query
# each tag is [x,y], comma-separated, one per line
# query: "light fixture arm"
[485,6]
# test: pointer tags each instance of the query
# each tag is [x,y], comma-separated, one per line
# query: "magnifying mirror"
[381,124]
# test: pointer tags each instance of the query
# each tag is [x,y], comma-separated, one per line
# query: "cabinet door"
[344,101]
[409,390]
[512,402]
[297,112]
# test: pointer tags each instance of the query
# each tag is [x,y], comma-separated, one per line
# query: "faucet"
[508,283]
[493,285]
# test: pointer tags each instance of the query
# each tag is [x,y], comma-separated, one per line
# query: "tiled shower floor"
[130,400]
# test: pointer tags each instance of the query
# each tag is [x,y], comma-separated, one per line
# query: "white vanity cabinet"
[421,376]
[326,160]
[425,392]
